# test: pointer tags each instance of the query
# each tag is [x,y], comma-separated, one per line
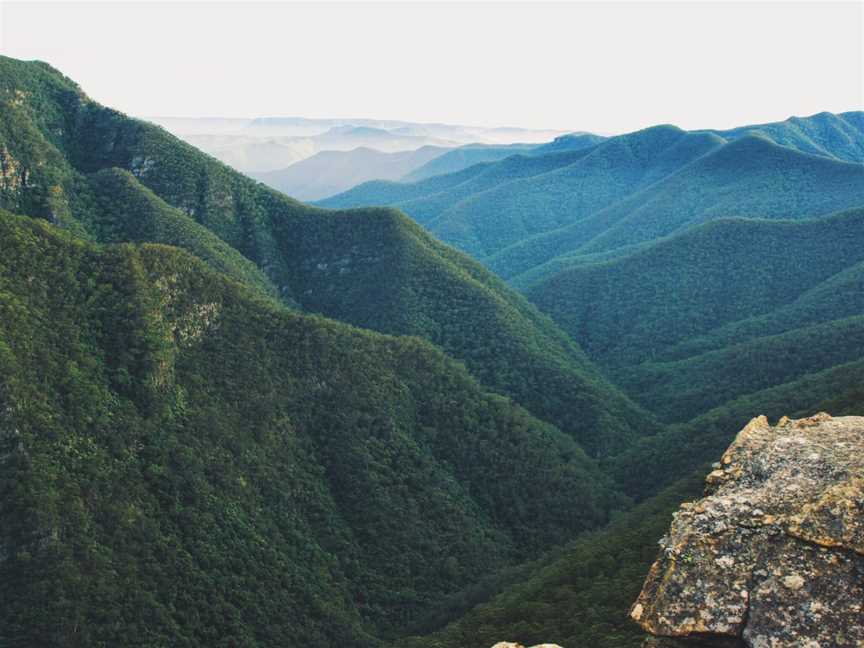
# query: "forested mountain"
[430,196]
[189,464]
[562,210]
[227,417]
[372,268]
[669,298]
[461,158]
[579,595]
[330,172]
[749,177]
[576,596]
[192,457]
[725,319]
[838,136]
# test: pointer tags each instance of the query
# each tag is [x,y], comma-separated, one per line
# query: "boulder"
[773,555]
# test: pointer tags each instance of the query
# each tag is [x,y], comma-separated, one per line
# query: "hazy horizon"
[555,66]
[487,127]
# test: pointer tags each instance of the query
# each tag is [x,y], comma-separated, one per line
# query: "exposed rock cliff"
[774,554]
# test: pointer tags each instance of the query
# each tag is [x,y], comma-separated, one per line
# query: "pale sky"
[603,67]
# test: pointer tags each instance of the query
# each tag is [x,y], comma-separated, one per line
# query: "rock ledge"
[773,555]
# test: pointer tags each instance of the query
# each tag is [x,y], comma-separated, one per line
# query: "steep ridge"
[518,198]
[653,463]
[632,309]
[510,212]
[426,208]
[839,136]
[683,389]
[191,464]
[126,211]
[842,295]
[444,297]
[55,139]
[724,184]
[570,142]
[749,177]
[427,199]
[381,193]
[729,318]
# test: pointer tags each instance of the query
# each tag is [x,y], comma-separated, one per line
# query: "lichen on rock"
[773,556]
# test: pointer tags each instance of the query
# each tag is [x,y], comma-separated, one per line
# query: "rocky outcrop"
[773,555]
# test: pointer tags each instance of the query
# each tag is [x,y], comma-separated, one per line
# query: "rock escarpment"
[773,555]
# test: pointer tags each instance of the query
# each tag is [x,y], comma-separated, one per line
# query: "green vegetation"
[394,277]
[709,328]
[189,461]
[632,309]
[652,463]
[427,199]
[186,463]
[228,418]
[826,134]
[518,209]
[464,157]
[616,194]
[372,268]
[577,596]
[129,212]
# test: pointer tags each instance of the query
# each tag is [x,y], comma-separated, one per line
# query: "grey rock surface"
[773,555]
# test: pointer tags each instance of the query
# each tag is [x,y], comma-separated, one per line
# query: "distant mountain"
[497,205]
[293,126]
[601,196]
[371,268]
[427,198]
[252,154]
[461,158]
[273,143]
[569,142]
[838,136]
[748,177]
[330,172]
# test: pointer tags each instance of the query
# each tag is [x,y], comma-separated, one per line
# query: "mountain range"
[331,172]
[231,418]
[526,218]
[179,420]
[271,144]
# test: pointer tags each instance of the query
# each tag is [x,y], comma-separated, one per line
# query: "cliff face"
[773,555]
